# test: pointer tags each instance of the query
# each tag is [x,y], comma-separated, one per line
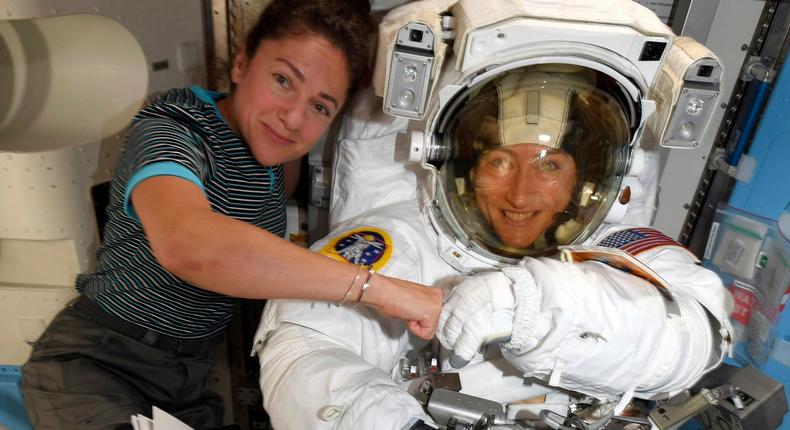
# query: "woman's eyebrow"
[299,75]
[293,68]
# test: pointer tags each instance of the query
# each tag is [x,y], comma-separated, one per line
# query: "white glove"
[477,311]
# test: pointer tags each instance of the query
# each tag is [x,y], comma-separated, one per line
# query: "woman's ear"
[240,64]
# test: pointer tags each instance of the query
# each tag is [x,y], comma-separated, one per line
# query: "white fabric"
[324,366]
[551,95]
[474,14]
[316,355]
[477,311]
[591,317]
[348,357]
[367,156]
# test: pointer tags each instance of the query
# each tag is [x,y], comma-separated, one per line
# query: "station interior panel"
[72,74]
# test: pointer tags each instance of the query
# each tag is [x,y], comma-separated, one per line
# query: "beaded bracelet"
[350,286]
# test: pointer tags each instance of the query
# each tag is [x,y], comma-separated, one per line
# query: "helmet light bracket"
[410,70]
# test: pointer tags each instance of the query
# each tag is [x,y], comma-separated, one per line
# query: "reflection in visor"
[538,155]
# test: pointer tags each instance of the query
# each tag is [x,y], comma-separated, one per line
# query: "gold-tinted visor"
[538,155]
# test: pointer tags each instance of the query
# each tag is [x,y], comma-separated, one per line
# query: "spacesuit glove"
[477,311]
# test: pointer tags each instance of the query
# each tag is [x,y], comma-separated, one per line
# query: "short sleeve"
[162,147]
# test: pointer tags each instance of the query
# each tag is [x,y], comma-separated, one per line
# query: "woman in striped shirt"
[196,219]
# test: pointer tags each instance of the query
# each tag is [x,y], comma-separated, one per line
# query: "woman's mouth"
[277,137]
[518,216]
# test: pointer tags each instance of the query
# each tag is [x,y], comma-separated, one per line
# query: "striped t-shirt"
[180,133]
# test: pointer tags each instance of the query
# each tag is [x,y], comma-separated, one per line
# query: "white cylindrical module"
[66,81]
[69,85]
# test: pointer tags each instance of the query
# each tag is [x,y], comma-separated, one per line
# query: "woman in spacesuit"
[567,325]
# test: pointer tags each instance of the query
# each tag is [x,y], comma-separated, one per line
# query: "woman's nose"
[292,114]
[522,187]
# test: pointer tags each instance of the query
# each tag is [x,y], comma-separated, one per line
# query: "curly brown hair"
[347,24]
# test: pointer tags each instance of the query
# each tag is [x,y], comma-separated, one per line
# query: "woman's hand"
[416,304]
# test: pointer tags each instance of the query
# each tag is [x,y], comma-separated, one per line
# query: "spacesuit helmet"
[536,157]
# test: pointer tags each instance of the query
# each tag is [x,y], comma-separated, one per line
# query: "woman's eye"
[546,165]
[500,163]
[323,110]
[281,80]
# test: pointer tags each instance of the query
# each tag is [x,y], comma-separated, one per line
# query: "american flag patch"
[637,240]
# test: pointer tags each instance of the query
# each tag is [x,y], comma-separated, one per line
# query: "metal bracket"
[448,28]
[320,181]
[718,161]
[248,396]
[669,416]
[757,68]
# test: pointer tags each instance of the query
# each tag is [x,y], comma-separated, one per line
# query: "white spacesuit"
[550,153]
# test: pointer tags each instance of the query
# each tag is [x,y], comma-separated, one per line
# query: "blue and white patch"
[364,246]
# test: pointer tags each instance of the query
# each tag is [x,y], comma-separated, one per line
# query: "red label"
[745,301]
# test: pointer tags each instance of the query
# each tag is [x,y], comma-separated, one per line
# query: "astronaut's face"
[521,188]
[286,95]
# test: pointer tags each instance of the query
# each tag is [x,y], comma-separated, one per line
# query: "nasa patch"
[364,246]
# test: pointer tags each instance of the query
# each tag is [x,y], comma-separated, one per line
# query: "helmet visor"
[538,154]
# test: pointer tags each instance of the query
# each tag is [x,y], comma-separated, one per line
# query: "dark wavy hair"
[347,24]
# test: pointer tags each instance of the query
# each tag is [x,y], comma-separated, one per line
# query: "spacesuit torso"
[328,366]
[584,328]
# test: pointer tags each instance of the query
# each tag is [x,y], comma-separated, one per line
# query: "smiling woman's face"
[286,95]
[521,188]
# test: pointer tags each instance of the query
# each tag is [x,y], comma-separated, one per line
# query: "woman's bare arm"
[228,256]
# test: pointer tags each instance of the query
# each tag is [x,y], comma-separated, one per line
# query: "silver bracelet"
[350,286]
[366,285]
